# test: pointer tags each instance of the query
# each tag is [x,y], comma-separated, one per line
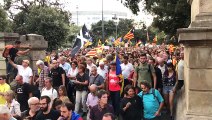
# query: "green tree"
[5,24]
[109,30]
[124,26]
[50,22]
[169,14]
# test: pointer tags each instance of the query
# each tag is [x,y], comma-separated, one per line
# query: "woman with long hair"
[72,73]
[63,93]
[12,104]
[131,105]
[169,87]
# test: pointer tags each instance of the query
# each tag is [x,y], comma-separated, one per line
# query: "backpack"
[6,50]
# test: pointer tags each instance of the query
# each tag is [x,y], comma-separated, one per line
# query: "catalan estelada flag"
[130,34]
[117,41]
[119,72]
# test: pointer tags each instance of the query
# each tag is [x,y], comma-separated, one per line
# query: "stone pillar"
[39,45]
[6,39]
[195,102]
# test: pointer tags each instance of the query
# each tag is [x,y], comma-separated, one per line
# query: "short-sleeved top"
[144,72]
[52,115]
[25,72]
[56,75]
[113,79]
[83,78]
[13,53]
[22,92]
[151,103]
[3,88]
[97,80]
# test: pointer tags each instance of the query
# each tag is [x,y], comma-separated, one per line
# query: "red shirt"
[113,81]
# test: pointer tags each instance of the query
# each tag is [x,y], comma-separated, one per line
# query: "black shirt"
[134,111]
[13,53]
[25,115]
[52,115]
[97,113]
[82,78]
[23,92]
[56,75]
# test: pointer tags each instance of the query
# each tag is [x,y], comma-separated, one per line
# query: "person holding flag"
[114,83]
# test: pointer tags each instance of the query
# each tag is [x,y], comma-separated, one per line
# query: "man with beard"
[67,112]
[45,110]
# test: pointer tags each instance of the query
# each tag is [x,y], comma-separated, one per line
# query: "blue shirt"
[66,66]
[150,103]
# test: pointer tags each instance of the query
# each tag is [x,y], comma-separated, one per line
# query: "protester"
[92,99]
[81,85]
[102,107]
[57,74]
[126,68]
[180,71]
[152,101]
[5,113]
[96,79]
[67,112]
[23,92]
[13,52]
[108,116]
[4,87]
[72,73]
[114,87]
[102,69]
[12,104]
[90,64]
[62,93]
[34,107]
[131,105]
[169,87]
[57,102]
[43,74]
[45,110]
[65,65]
[48,90]
[145,72]
[24,70]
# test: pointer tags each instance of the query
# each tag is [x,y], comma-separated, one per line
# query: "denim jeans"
[115,99]
[81,97]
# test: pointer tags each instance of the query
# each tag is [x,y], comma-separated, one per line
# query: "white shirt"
[26,73]
[102,72]
[73,73]
[162,69]
[52,93]
[180,71]
[126,69]
[89,67]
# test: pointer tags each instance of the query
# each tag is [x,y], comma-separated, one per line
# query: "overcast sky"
[112,5]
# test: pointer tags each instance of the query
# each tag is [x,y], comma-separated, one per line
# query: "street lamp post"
[102,23]
[115,18]
[77,14]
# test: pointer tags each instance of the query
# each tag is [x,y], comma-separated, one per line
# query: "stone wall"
[37,52]
[196,99]
[6,39]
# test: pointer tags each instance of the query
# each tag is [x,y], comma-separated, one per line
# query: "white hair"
[39,62]
[4,109]
[32,99]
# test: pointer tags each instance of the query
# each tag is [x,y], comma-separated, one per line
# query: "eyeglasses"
[36,104]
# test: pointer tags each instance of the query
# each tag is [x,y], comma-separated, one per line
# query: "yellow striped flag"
[130,34]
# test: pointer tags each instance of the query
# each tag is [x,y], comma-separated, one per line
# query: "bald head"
[19,79]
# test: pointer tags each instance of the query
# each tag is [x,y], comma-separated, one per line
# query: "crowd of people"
[84,87]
